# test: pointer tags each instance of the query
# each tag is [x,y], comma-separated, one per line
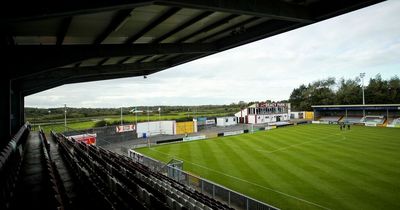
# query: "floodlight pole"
[362,75]
[65,117]
[148,127]
[49,118]
[121,116]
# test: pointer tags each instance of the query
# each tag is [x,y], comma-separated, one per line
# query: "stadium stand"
[120,183]
[57,198]
[395,121]
[11,158]
[37,173]
[330,118]
[351,119]
[373,119]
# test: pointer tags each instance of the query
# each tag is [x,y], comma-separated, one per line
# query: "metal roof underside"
[356,105]
[56,43]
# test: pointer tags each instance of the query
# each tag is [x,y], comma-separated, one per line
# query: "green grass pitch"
[300,167]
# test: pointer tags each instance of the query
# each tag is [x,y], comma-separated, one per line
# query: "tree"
[394,90]
[349,92]
[377,91]
[322,92]
[298,96]
[318,92]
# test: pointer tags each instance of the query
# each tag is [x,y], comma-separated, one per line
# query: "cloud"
[367,40]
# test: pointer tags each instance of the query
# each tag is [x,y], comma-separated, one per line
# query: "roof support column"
[17,117]
[5,106]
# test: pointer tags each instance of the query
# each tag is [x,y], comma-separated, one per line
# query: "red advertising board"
[86,138]
[124,128]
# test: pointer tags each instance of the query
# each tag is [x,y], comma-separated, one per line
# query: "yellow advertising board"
[184,127]
[309,115]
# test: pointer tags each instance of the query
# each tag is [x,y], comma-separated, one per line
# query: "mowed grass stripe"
[336,177]
[305,177]
[227,180]
[288,176]
[378,154]
[356,169]
[369,159]
[357,155]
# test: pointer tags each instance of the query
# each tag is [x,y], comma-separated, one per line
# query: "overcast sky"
[367,40]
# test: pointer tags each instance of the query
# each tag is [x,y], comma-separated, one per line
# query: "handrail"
[11,157]
[13,144]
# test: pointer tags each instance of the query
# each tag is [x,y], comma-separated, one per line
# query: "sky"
[366,40]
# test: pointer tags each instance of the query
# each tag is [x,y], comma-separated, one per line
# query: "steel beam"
[207,28]
[260,31]
[326,9]
[55,83]
[257,32]
[30,59]
[183,26]
[274,9]
[67,74]
[62,31]
[152,25]
[229,29]
[116,22]
[11,11]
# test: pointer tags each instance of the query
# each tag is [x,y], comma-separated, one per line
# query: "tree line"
[344,92]
[41,114]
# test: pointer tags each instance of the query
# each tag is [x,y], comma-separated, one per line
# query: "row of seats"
[95,173]
[366,119]
[131,181]
[57,198]
[11,157]
[179,189]
[330,118]
[396,121]
[351,119]
[373,119]
[89,182]
[154,176]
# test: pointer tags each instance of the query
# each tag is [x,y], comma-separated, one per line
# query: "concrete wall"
[155,128]
[106,135]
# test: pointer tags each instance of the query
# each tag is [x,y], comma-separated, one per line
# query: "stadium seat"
[106,171]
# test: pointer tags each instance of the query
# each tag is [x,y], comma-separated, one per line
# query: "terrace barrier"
[229,197]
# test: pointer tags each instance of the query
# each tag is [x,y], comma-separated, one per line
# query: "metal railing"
[229,197]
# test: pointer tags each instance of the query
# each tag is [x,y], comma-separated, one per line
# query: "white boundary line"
[260,186]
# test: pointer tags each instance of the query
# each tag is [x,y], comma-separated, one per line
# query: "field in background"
[74,126]
[86,123]
[300,167]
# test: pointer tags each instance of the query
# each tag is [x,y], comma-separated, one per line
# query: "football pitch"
[300,167]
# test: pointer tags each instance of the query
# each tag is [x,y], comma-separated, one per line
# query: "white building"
[264,113]
[226,121]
